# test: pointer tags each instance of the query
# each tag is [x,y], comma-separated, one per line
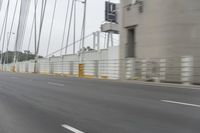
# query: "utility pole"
[4,34]
[74,45]
[83,30]
[84,22]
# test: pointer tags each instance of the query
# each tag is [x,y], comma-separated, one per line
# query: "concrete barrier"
[102,64]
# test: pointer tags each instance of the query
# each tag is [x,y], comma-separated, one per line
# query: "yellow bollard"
[13,69]
[81,70]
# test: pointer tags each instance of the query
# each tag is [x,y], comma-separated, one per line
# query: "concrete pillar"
[96,40]
[144,69]
[71,68]
[186,69]
[96,69]
[162,69]
[130,68]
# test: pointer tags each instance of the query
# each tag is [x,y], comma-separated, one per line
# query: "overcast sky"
[95,17]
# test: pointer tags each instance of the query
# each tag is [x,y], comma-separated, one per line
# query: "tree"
[9,56]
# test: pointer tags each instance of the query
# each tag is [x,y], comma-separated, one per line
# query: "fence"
[176,70]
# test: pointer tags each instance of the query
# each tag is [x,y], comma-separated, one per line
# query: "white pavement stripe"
[56,84]
[72,129]
[181,103]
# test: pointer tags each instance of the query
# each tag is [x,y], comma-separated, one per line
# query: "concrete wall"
[165,28]
[31,66]
[70,64]
[97,64]
[178,70]
[44,65]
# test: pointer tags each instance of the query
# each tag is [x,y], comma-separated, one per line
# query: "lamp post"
[83,29]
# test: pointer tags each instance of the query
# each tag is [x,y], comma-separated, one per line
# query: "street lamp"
[83,27]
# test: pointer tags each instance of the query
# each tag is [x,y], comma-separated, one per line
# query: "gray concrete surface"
[42,104]
[165,29]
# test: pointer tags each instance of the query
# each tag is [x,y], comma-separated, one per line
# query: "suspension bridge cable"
[1,2]
[17,35]
[25,10]
[52,22]
[24,28]
[70,21]
[11,28]
[20,28]
[31,34]
[25,25]
[69,45]
[5,28]
[65,25]
[41,25]
[2,29]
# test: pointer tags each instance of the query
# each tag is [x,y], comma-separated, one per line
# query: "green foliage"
[8,57]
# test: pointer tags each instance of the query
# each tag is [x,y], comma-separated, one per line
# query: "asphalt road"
[32,103]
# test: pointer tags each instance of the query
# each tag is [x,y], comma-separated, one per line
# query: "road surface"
[32,103]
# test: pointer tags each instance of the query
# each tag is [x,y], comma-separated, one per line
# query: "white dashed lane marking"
[71,128]
[56,84]
[181,103]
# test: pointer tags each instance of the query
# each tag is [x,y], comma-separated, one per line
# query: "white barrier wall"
[97,64]
[70,64]
[182,70]
[105,64]
[31,66]
[56,65]
[187,69]
[91,61]
[44,65]
[23,66]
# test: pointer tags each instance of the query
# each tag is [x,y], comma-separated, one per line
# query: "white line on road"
[181,103]
[56,84]
[72,129]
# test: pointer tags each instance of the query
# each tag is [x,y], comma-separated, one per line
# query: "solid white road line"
[181,103]
[56,84]
[72,129]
